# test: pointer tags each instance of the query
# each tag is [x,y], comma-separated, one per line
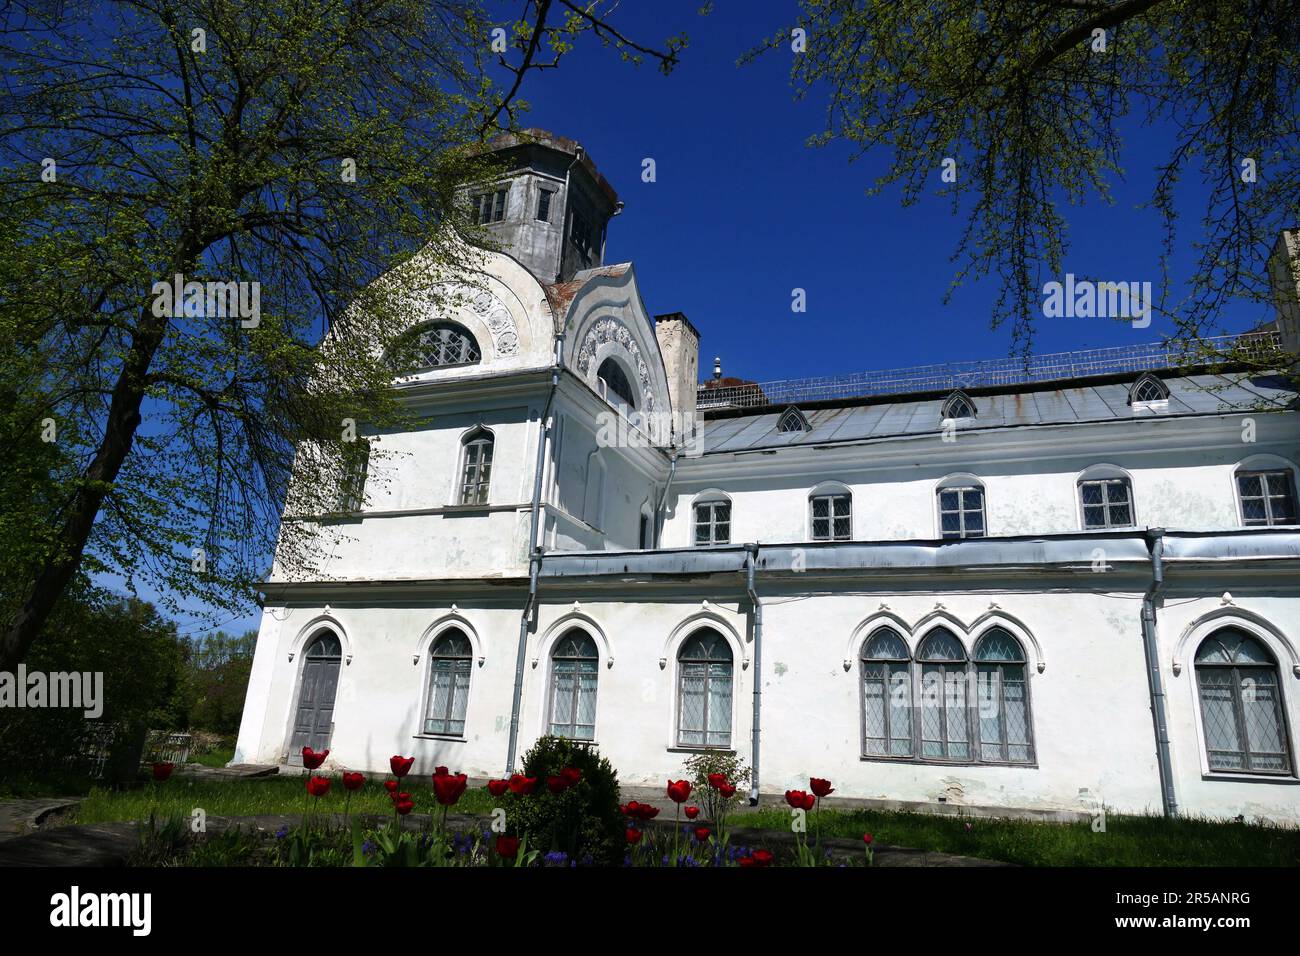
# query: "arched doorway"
[313,716]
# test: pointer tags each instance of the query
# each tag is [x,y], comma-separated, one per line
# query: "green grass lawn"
[246,798]
[1127,840]
[217,757]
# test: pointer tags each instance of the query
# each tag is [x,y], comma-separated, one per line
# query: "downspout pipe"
[663,499]
[534,555]
[751,561]
[1156,547]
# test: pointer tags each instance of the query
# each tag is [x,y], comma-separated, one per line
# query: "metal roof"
[1073,403]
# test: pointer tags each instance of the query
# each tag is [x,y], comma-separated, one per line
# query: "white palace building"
[1045,588]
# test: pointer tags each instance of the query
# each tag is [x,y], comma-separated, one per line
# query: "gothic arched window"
[1002,699]
[886,695]
[449,673]
[1241,705]
[704,670]
[574,673]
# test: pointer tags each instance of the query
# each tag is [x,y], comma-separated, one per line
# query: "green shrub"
[582,821]
[698,768]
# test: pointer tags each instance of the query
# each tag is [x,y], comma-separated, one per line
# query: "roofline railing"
[1147,357]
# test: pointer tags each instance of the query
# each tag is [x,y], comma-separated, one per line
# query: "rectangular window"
[713,523]
[832,518]
[1267,498]
[488,207]
[1106,503]
[544,205]
[356,461]
[580,232]
[961,512]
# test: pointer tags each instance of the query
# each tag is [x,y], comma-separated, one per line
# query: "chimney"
[679,343]
[1284,278]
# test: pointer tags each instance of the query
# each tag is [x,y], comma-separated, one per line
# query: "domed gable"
[604,320]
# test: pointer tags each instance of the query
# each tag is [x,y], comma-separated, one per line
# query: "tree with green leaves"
[192,191]
[1026,98]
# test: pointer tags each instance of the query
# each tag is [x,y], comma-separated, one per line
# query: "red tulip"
[691,812]
[390,786]
[508,846]
[161,771]
[497,787]
[633,835]
[318,786]
[353,781]
[557,784]
[404,807]
[763,857]
[571,774]
[448,787]
[868,839]
[746,861]
[820,787]
[647,812]
[727,791]
[522,785]
[679,790]
[717,780]
[800,800]
[400,766]
[312,760]
[702,834]
[440,772]
[403,797]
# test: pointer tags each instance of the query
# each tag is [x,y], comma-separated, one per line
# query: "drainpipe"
[534,555]
[663,500]
[1156,545]
[751,559]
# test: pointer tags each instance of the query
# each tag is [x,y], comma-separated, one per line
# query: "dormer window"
[613,385]
[1148,392]
[793,420]
[958,405]
[435,345]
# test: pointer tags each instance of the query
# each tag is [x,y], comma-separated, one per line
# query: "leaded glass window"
[704,667]
[574,672]
[1267,497]
[958,405]
[792,420]
[832,517]
[1002,699]
[476,473]
[945,730]
[433,346]
[1241,705]
[1148,389]
[886,695]
[449,674]
[713,522]
[1107,503]
[961,512]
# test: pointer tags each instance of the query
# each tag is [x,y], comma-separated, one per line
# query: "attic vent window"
[958,405]
[792,420]
[1148,389]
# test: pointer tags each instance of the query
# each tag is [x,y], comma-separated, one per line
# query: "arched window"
[961,508]
[886,695]
[830,513]
[712,520]
[434,345]
[958,405]
[476,468]
[945,730]
[704,666]
[1106,498]
[792,420]
[449,673]
[614,386]
[1002,699]
[1267,496]
[574,673]
[1148,389]
[1241,705]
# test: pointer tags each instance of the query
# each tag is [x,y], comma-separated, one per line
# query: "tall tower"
[549,207]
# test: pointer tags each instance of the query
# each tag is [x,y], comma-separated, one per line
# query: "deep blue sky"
[743,211]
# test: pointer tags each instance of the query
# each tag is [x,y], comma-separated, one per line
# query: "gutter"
[534,555]
[1156,546]
[751,559]
[663,500]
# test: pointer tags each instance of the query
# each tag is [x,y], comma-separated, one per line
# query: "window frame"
[544,199]
[889,666]
[1288,772]
[552,688]
[1264,473]
[1144,381]
[712,503]
[830,494]
[958,399]
[356,470]
[447,634]
[483,438]
[490,206]
[422,327]
[708,679]
[961,489]
[1102,475]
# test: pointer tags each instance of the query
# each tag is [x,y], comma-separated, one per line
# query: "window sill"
[448,737]
[730,751]
[457,510]
[1240,777]
[917,762]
